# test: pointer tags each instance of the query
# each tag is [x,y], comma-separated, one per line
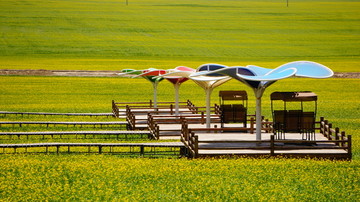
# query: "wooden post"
[337,134]
[202,118]
[252,125]
[272,152]
[325,128]
[196,146]
[342,138]
[157,132]
[142,150]
[349,147]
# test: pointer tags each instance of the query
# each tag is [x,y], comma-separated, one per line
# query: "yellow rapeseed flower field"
[110,178]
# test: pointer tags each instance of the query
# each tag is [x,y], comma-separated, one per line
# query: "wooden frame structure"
[298,121]
[233,113]
[336,146]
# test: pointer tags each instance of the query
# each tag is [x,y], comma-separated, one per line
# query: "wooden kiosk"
[233,113]
[294,121]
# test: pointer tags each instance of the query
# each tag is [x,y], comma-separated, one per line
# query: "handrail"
[342,142]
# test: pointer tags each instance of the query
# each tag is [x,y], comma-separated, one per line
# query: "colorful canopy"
[259,78]
[207,82]
[177,81]
[150,74]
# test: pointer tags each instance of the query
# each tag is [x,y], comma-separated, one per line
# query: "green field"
[110,35]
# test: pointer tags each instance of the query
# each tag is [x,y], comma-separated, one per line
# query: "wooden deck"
[210,144]
[328,143]
[197,141]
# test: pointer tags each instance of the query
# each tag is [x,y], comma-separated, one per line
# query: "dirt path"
[80,73]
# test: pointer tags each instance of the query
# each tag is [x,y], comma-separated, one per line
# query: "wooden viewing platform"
[328,143]
[197,141]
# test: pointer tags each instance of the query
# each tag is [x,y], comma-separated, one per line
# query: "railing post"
[329,131]
[322,125]
[142,150]
[337,133]
[349,146]
[157,131]
[196,146]
[202,118]
[342,138]
[272,148]
[252,125]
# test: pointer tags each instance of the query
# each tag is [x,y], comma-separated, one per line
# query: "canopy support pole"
[208,92]
[258,94]
[258,119]
[155,84]
[176,87]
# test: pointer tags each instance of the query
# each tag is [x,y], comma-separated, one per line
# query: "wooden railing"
[142,149]
[338,141]
[331,133]
[119,134]
[55,114]
[155,120]
[55,123]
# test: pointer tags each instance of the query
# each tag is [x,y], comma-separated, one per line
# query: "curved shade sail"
[150,74]
[204,77]
[177,81]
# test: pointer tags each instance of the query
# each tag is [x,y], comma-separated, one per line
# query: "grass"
[108,35]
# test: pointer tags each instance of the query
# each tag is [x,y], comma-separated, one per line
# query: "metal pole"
[176,87]
[208,96]
[155,93]
[258,94]
[258,118]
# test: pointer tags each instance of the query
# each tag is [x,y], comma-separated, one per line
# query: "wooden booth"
[233,113]
[294,121]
